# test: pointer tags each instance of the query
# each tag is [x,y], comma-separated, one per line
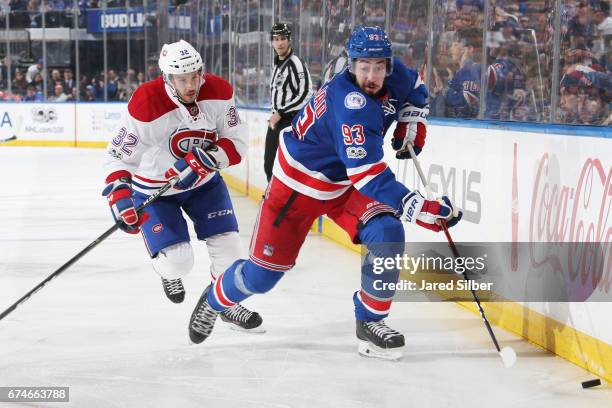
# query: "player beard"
[372,88]
[189,97]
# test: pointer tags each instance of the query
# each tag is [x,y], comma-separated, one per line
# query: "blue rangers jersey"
[463,94]
[336,140]
[504,78]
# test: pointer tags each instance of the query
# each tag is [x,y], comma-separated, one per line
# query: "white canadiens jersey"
[160,130]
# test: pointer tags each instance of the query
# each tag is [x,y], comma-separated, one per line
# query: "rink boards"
[513,185]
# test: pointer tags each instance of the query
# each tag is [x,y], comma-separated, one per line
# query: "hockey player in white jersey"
[183,124]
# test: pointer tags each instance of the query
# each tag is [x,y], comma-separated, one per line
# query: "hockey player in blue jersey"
[330,161]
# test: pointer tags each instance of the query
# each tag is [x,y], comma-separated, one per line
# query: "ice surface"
[105,329]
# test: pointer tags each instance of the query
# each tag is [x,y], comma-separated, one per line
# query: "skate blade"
[254,330]
[368,349]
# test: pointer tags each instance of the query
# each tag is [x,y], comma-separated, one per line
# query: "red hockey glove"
[427,213]
[192,168]
[411,128]
[118,191]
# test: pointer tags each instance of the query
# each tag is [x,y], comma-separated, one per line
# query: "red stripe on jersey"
[372,171]
[220,295]
[230,150]
[304,178]
[381,306]
[150,101]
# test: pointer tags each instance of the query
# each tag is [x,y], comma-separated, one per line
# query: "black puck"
[591,383]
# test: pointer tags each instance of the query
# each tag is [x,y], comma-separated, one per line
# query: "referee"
[290,89]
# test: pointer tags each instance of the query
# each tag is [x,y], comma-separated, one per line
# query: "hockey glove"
[411,129]
[192,168]
[427,213]
[118,191]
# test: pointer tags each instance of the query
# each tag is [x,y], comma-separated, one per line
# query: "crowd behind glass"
[546,61]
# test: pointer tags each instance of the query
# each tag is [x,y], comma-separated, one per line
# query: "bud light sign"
[115,20]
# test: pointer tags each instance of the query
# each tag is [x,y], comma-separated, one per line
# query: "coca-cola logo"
[183,140]
[578,215]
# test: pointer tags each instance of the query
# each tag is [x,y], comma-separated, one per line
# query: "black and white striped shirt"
[335,66]
[290,85]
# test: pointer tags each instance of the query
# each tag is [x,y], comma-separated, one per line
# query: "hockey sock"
[241,280]
[384,238]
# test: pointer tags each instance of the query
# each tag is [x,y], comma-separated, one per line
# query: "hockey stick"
[507,354]
[89,247]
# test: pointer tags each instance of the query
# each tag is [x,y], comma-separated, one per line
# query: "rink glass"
[112,47]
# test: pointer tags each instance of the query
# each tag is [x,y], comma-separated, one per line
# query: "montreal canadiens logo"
[183,140]
[354,100]
[157,228]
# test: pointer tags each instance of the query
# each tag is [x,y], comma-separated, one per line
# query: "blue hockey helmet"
[369,42]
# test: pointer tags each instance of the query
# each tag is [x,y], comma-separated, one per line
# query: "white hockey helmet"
[179,58]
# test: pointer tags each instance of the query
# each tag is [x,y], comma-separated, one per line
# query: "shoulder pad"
[150,101]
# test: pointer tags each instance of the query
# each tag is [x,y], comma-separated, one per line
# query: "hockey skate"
[378,340]
[202,319]
[174,289]
[242,319]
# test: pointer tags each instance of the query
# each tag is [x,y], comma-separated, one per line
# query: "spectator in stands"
[603,29]
[56,78]
[88,94]
[68,81]
[83,82]
[602,18]
[568,107]
[140,78]
[112,85]
[463,96]
[58,93]
[33,70]
[438,91]
[37,82]
[592,111]
[581,25]
[585,95]
[505,83]
[130,77]
[35,14]
[19,85]
[97,83]
[32,95]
